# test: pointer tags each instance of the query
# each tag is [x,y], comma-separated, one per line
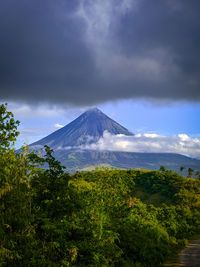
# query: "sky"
[136,60]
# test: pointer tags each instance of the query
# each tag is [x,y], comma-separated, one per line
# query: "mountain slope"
[77,160]
[86,129]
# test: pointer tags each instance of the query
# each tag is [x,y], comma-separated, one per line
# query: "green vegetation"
[97,218]
[100,167]
[190,172]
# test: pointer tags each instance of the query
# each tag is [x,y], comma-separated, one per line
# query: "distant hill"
[87,129]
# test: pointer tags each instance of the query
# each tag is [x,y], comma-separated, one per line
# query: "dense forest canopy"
[97,218]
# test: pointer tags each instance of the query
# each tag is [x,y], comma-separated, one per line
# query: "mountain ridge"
[77,160]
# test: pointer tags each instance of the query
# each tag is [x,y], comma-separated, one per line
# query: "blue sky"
[167,119]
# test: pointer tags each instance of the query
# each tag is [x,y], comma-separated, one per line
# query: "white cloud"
[33,131]
[184,137]
[181,144]
[39,110]
[42,110]
[30,135]
[58,126]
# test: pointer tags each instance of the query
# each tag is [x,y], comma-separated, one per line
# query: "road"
[190,256]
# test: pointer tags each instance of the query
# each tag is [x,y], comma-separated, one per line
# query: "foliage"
[97,218]
[162,168]
[190,172]
[198,174]
[8,128]
[182,169]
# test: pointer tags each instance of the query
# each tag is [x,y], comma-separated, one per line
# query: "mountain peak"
[94,110]
[86,129]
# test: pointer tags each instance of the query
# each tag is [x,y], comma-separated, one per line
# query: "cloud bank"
[147,142]
[85,52]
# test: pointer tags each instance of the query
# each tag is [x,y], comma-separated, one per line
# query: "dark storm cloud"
[89,51]
[43,55]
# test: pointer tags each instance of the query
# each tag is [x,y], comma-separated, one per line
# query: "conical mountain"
[86,129]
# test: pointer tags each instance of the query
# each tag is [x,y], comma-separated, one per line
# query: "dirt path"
[190,256]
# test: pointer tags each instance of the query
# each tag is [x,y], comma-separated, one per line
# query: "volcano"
[88,128]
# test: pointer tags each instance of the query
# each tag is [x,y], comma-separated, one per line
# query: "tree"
[16,234]
[190,172]
[182,169]
[198,174]
[8,128]
[162,168]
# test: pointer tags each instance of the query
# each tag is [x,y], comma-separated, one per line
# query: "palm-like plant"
[198,174]
[190,172]
[162,168]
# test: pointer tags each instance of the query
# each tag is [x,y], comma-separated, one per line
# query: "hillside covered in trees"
[97,218]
